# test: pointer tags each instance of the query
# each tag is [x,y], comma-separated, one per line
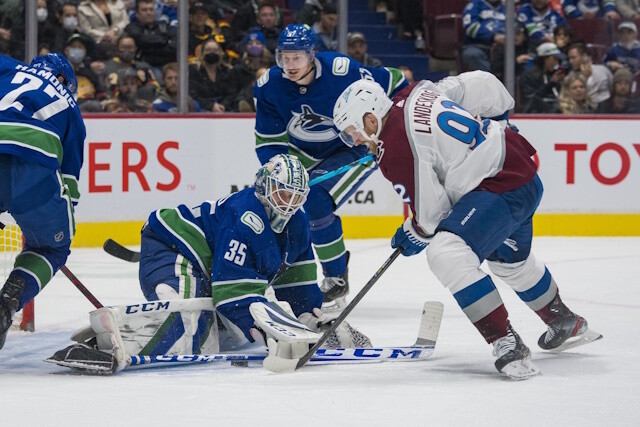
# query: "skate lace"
[330,282]
[504,345]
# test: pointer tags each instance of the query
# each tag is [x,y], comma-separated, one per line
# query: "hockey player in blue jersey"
[41,147]
[233,249]
[216,261]
[294,106]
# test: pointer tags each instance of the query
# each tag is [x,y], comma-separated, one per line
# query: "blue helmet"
[297,37]
[57,63]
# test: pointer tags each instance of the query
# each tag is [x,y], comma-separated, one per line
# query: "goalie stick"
[115,249]
[74,357]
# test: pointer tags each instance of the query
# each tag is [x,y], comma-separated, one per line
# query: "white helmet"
[361,97]
[282,185]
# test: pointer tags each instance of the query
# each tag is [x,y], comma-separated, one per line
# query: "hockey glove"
[409,239]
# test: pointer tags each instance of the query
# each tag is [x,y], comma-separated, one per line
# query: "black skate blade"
[588,336]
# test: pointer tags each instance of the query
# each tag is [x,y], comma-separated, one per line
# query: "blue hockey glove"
[409,239]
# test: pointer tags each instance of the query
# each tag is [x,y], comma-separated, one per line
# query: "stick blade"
[430,323]
[115,249]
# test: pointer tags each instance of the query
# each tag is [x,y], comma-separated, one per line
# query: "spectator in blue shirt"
[589,9]
[483,22]
[625,53]
[540,21]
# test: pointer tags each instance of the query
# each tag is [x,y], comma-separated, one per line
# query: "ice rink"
[594,385]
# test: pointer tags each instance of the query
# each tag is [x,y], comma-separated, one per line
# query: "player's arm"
[73,152]
[238,277]
[479,92]
[298,285]
[271,130]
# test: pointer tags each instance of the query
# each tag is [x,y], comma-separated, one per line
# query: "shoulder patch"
[340,66]
[253,221]
[263,79]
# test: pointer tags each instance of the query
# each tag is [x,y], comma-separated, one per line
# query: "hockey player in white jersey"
[473,189]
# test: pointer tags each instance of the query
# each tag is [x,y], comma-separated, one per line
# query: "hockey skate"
[568,331]
[334,291]
[514,357]
[9,302]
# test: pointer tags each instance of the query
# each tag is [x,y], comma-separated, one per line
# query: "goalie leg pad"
[156,327]
[86,359]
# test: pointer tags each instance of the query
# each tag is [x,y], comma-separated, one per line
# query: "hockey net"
[11,242]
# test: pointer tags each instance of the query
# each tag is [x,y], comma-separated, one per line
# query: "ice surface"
[594,385]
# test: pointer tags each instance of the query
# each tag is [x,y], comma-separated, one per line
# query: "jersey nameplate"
[340,66]
[253,221]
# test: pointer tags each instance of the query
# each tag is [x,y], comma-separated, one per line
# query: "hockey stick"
[115,249]
[422,349]
[78,284]
[346,311]
[341,169]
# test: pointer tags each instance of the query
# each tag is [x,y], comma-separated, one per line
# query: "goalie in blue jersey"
[294,107]
[41,147]
[216,261]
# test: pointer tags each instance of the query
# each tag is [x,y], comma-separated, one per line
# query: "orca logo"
[311,126]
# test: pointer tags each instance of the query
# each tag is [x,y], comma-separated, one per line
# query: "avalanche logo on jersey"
[311,126]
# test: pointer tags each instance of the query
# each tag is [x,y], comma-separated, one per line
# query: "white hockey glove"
[287,339]
[409,239]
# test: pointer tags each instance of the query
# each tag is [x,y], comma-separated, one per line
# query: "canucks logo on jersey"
[311,126]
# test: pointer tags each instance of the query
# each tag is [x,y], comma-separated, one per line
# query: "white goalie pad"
[134,329]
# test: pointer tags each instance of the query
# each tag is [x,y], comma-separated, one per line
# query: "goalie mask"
[358,99]
[282,185]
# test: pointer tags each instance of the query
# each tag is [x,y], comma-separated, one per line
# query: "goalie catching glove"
[288,339]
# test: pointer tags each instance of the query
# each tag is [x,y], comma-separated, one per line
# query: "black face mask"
[211,58]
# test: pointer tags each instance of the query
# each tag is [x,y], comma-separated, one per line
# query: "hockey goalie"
[205,272]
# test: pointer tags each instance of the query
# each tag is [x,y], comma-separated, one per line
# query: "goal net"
[10,246]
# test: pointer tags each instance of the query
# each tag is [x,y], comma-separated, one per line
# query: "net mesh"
[10,246]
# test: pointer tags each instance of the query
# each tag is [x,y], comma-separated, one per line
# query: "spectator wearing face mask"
[125,58]
[67,16]
[211,80]
[166,100]
[255,56]
[90,89]
[625,53]
[47,22]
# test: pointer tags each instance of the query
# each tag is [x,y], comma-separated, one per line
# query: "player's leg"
[165,274]
[326,226]
[477,224]
[514,263]
[37,198]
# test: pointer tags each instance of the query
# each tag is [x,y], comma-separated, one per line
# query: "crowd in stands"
[124,51]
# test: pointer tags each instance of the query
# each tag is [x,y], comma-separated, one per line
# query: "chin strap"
[313,68]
